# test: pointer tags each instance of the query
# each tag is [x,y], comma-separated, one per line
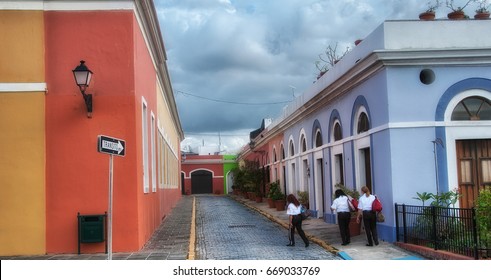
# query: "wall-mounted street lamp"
[82,76]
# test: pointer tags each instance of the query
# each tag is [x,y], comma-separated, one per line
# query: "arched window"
[363,124]
[318,138]
[274,155]
[474,108]
[338,135]
[283,156]
[292,149]
[304,144]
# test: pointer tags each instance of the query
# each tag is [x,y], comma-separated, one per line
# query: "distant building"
[208,174]
[407,110]
[50,167]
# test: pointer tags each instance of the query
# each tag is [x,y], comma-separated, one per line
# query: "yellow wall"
[22,179]
[22,47]
[22,135]
[169,146]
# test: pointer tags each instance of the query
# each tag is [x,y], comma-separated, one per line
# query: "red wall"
[77,175]
[207,162]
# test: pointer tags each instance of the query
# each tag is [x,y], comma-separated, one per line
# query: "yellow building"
[22,136]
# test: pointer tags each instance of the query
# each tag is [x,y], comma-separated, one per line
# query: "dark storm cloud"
[255,51]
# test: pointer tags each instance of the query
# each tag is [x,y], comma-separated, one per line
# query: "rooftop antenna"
[219,142]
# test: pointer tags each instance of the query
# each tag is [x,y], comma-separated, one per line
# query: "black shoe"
[376,243]
[307,245]
[344,244]
[290,245]
[369,245]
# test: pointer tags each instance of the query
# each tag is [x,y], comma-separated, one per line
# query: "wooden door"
[474,169]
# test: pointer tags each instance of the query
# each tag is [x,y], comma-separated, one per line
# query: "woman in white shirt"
[295,219]
[369,216]
[340,205]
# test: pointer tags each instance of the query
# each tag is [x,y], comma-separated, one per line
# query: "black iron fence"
[450,229]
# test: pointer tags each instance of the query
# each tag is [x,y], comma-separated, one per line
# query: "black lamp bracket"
[88,102]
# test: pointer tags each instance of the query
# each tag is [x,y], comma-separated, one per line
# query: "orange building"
[50,167]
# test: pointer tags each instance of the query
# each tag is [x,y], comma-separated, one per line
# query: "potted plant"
[354,227]
[457,11]
[429,14]
[329,58]
[251,193]
[482,11]
[272,188]
[258,194]
[279,201]
[303,198]
[277,196]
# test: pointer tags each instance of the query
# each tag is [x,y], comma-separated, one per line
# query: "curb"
[192,235]
[344,255]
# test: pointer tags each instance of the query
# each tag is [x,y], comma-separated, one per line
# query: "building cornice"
[368,67]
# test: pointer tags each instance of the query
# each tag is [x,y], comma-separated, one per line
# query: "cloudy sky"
[234,62]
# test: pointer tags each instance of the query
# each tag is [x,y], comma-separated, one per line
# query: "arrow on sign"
[111,145]
[117,147]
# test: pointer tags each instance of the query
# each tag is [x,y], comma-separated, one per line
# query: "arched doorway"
[201,182]
[473,155]
[465,146]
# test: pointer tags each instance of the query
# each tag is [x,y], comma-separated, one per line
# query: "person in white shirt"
[369,216]
[295,219]
[340,205]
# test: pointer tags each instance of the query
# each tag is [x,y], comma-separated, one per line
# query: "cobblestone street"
[228,230]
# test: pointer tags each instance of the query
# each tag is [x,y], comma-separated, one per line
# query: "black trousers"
[343,223]
[370,223]
[297,224]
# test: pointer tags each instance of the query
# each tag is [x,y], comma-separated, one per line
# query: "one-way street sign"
[110,145]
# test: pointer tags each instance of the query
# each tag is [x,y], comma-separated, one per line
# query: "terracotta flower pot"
[354,227]
[456,15]
[280,205]
[251,195]
[427,16]
[271,203]
[484,15]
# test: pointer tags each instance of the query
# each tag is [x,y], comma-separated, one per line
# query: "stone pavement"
[175,238]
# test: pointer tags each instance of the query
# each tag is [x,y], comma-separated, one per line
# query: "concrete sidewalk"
[327,235]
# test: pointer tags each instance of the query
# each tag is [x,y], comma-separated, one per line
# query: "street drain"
[242,226]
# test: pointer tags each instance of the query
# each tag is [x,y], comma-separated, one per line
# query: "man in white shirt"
[369,216]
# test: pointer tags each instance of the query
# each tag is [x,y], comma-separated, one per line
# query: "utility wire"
[232,102]
[214,134]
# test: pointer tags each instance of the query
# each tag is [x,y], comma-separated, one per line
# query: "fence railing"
[440,228]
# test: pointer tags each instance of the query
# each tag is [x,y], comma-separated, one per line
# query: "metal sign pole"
[111,146]
[110,210]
